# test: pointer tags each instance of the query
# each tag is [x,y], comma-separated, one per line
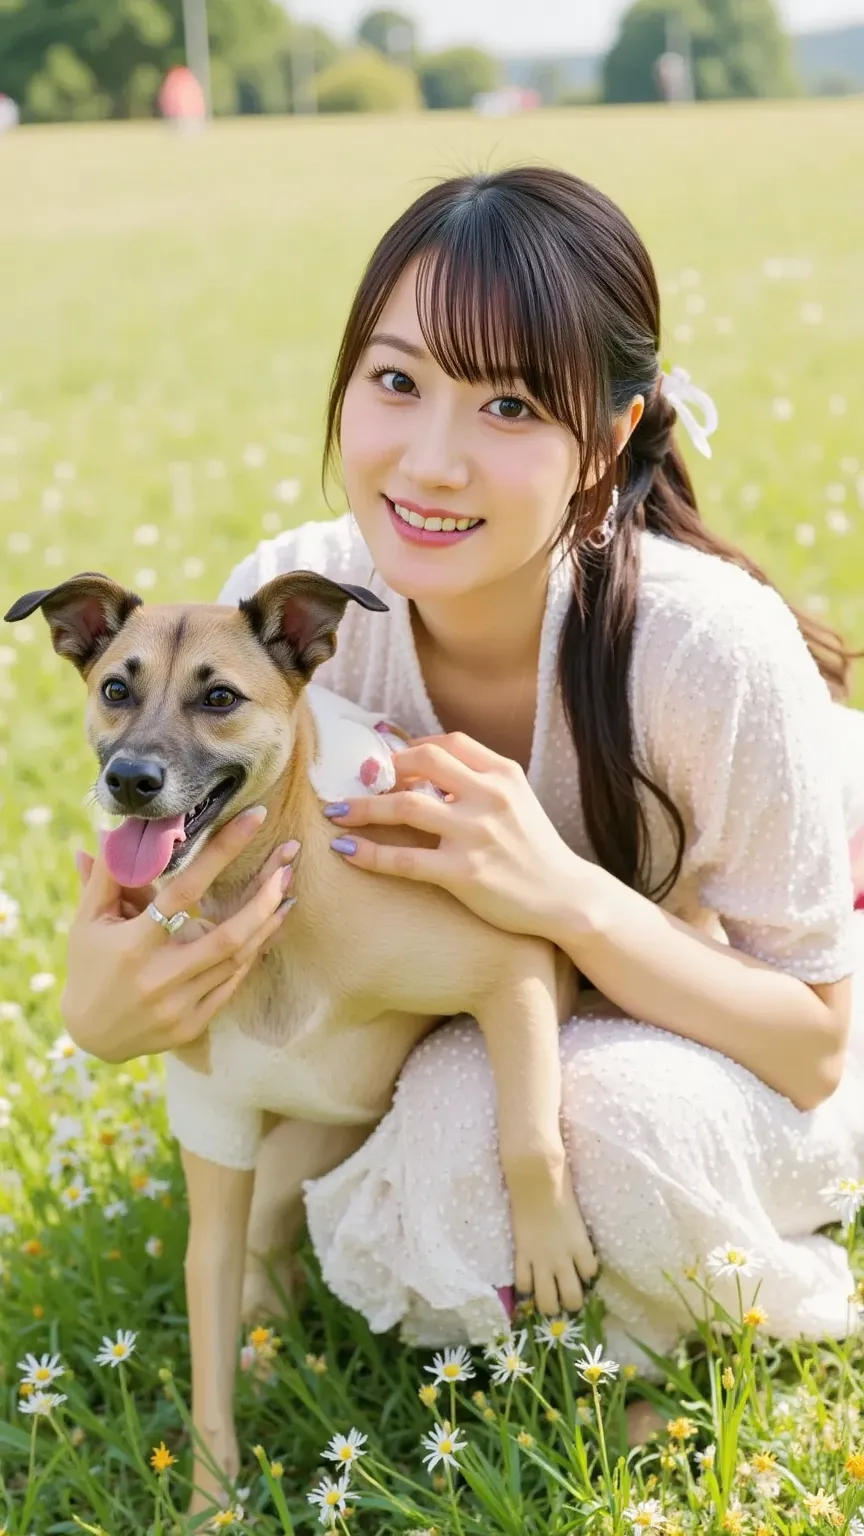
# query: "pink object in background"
[181,98]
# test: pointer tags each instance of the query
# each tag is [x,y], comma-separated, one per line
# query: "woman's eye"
[511,408]
[114,691]
[220,698]
[401,384]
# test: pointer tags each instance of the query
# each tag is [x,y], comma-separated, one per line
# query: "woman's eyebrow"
[385,339]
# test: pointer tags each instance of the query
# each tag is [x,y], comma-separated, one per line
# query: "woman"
[638,739]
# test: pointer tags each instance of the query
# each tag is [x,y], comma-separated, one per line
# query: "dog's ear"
[296,617]
[84,615]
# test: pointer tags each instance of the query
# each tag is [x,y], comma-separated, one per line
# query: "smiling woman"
[638,757]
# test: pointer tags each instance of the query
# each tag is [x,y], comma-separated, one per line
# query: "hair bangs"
[490,311]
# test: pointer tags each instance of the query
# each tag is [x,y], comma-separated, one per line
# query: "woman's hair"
[532,273]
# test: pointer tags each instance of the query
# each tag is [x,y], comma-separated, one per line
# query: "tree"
[390,33]
[738,49]
[89,58]
[453,78]
[364,81]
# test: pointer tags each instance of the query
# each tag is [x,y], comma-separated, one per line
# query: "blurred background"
[188,194]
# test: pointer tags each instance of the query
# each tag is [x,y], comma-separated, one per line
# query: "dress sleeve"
[739,734]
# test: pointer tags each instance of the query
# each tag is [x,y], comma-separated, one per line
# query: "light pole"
[198,46]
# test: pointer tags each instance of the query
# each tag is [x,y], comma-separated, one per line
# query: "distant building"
[9,114]
[506,101]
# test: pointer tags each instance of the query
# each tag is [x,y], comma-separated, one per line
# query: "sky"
[536,26]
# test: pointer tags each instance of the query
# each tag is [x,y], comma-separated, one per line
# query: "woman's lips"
[430,538]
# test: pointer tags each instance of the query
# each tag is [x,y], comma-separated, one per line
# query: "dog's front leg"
[219,1201]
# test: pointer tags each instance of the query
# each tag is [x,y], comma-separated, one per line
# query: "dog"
[194,713]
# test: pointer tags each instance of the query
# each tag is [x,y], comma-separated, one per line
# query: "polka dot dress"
[674,1148]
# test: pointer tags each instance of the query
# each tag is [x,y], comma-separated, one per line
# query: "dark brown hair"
[532,273]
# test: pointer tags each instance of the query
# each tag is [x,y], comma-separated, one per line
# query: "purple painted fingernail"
[286,906]
[343,845]
[338,808]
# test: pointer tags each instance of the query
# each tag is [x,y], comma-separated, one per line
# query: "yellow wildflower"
[681,1429]
[489,1415]
[259,1338]
[161,1458]
[477,1398]
[33,1248]
[733,1520]
[854,1466]
[317,1364]
[552,1416]
[821,1505]
[763,1463]
[728,1378]
[38,1311]
[114,1254]
[277,1470]
[525,1440]
[629,1372]
[26,1389]
[428,1394]
[107,1138]
[755,1317]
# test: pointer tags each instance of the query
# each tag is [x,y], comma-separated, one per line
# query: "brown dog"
[195,713]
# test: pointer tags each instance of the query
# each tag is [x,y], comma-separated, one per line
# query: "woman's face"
[419,445]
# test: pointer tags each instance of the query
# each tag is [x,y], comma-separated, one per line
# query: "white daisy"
[346,1450]
[226,1518]
[728,1260]
[42,1403]
[64,1053]
[330,1498]
[558,1331]
[147,1091]
[9,910]
[116,1351]
[845,1196]
[150,1188]
[61,1161]
[594,1368]
[8,1225]
[114,1208]
[40,1373]
[707,1457]
[75,1195]
[646,1516]
[453,1365]
[43,981]
[153,1246]
[66,1128]
[442,1443]
[507,1361]
[855,1527]
[37,816]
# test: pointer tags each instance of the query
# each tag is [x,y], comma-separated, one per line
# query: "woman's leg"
[674,1151]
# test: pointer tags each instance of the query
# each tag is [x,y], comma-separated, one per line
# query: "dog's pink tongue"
[138,852]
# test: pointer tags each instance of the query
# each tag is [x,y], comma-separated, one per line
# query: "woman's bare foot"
[643,1421]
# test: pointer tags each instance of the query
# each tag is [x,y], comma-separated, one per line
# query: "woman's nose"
[433,454]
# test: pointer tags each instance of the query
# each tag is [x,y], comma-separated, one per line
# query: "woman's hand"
[498,852]
[131,988]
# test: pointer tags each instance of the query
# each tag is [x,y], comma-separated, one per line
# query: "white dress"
[674,1148]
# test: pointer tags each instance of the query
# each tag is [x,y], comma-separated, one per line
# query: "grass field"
[169,314]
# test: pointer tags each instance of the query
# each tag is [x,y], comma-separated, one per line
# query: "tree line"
[85,59]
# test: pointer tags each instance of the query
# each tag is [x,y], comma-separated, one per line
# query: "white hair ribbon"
[676,387]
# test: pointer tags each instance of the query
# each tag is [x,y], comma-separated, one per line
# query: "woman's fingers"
[209,1006]
[195,880]
[433,762]
[248,927]
[399,808]
[407,863]
[84,864]
[464,749]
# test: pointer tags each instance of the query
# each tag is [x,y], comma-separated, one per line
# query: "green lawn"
[169,314]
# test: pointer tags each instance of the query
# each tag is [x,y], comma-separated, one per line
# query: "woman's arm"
[660,969]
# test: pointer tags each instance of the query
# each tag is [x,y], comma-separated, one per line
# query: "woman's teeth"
[435,524]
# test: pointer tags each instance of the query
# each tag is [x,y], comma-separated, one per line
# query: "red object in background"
[181,97]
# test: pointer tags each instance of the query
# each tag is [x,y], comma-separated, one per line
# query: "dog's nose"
[135,781]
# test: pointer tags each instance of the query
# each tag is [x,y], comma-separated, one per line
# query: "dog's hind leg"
[292,1152]
[219,1201]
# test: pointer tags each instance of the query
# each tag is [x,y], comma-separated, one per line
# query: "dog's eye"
[220,698]
[114,691]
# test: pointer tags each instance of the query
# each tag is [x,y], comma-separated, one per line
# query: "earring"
[604,535]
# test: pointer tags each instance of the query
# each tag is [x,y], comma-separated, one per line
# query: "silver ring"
[170,924]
